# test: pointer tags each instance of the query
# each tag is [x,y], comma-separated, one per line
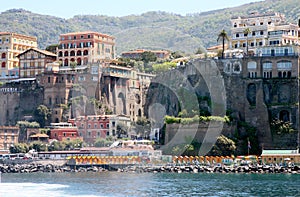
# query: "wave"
[35,189]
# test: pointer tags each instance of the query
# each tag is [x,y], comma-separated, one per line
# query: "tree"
[52,48]
[19,148]
[224,37]
[148,56]
[73,64]
[163,67]
[223,147]
[23,125]
[247,31]
[42,115]
[101,142]
[200,50]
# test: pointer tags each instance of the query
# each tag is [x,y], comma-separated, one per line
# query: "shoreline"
[61,166]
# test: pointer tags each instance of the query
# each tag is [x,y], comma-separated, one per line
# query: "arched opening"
[66,63]
[284,74]
[251,94]
[139,112]
[289,74]
[60,54]
[85,61]
[78,61]
[3,56]
[78,53]
[66,54]
[56,120]
[237,68]
[279,74]
[121,103]
[85,52]
[3,64]
[284,115]
[72,53]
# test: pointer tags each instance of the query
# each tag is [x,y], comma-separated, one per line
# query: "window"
[95,126]
[101,125]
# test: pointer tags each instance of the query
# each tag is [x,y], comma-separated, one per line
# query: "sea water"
[148,184]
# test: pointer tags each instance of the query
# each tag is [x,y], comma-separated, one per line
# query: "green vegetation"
[42,115]
[243,134]
[223,147]
[224,37]
[43,146]
[151,30]
[281,127]
[195,119]
[163,67]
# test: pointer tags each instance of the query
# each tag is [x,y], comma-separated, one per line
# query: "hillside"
[151,30]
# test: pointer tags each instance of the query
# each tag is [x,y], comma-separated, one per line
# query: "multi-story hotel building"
[11,45]
[85,47]
[93,127]
[267,29]
[8,137]
[33,62]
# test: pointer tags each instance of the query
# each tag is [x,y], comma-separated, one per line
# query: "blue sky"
[69,8]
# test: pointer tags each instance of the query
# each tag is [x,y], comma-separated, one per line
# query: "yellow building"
[280,156]
[268,29]
[8,137]
[11,45]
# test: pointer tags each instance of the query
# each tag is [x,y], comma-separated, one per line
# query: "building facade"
[34,61]
[8,137]
[266,29]
[11,45]
[57,88]
[82,48]
[92,127]
[64,131]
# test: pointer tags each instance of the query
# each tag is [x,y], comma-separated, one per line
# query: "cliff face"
[19,100]
[252,102]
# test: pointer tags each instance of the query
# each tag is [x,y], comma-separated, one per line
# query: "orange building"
[85,47]
[63,131]
[8,137]
[11,45]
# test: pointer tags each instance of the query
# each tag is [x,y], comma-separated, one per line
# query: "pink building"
[85,47]
[91,127]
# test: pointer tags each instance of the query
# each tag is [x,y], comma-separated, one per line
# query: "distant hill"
[151,30]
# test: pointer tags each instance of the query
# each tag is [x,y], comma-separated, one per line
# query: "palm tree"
[223,35]
[247,31]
